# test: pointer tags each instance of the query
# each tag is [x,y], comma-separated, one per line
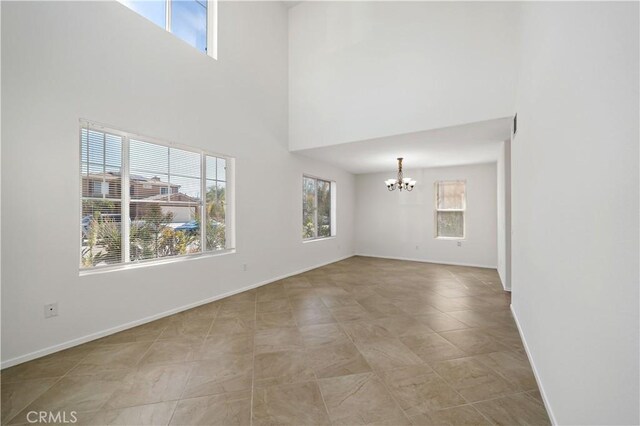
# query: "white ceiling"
[451,146]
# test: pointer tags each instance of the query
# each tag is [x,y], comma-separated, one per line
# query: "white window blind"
[451,205]
[164,203]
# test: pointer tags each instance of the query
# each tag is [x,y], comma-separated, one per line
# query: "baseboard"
[93,336]
[533,367]
[428,261]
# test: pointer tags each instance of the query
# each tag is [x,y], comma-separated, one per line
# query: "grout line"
[193,366]
[304,346]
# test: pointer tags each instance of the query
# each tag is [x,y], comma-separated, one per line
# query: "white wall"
[575,207]
[401,225]
[504,214]
[362,70]
[100,61]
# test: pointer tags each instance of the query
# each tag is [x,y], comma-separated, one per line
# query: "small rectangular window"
[317,208]
[190,20]
[164,206]
[450,209]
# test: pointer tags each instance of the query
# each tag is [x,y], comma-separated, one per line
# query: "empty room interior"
[319,213]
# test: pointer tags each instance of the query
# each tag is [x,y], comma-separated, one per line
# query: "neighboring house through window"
[164,205]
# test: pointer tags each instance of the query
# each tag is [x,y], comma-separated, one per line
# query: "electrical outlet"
[244,267]
[51,310]
[417,247]
[459,243]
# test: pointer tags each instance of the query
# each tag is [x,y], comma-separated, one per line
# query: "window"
[190,20]
[164,206]
[317,208]
[450,208]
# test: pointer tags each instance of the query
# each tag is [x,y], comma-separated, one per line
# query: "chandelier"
[401,182]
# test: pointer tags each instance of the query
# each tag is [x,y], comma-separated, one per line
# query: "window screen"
[450,209]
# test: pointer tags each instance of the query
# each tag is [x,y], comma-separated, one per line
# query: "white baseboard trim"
[428,261]
[93,336]
[533,367]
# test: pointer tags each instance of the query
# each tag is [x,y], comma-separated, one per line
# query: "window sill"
[313,240]
[450,238]
[153,262]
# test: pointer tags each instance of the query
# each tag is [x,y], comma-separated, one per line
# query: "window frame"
[332,207]
[436,210]
[125,200]
[211,48]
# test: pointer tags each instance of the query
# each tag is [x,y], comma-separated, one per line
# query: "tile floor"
[361,341]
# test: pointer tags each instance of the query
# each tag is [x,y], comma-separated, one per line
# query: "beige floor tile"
[473,341]
[338,301]
[507,335]
[472,379]
[188,328]
[419,389]
[457,416]
[412,306]
[16,396]
[278,339]
[117,357]
[350,313]
[78,393]
[277,305]
[405,325]
[366,330]
[387,353]
[514,409]
[432,347]
[312,315]
[232,325]
[358,399]
[237,343]
[275,320]
[141,415]
[172,351]
[150,384]
[37,369]
[337,360]
[442,322]
[276,368]
[513,366]
[290,404]
[226,373]
[323,334]
[215,410]
[483,318]
[363,331]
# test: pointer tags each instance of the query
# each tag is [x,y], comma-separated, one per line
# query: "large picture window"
[317,208]
[161,213]
[190,20]
[451,203]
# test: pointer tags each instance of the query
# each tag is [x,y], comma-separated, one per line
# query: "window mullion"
[315,208]
[125,200]
[203,204]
